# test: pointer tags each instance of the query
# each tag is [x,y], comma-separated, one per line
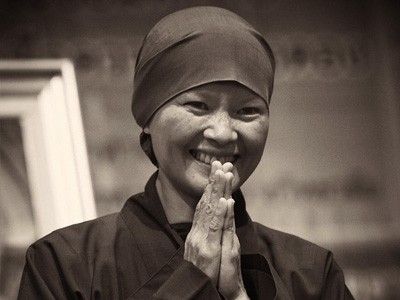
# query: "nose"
[221,129]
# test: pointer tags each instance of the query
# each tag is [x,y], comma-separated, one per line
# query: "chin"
[197,184]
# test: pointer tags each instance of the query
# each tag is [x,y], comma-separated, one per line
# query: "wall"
[330,170]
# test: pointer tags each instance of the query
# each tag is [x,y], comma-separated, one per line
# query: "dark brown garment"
[135,254]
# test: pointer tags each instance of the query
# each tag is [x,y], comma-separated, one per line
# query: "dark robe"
[136,254]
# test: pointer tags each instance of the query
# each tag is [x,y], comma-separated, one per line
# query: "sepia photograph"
[200,149]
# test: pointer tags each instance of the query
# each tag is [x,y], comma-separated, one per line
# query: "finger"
[187,252]
[217,223]
[228,185]
[201,206]
[229,226]
[215,165]
[217,191]
[218,187]
[205,209]
[227,167]
[198,211]
[230,276]
[206,197]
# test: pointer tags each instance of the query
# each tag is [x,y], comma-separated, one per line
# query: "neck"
[175,203]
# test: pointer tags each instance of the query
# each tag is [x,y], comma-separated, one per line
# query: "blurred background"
[331,169]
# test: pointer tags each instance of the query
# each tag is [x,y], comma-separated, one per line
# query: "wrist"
[239,295]
[242,295]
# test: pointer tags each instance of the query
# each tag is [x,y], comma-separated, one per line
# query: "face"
[222,120]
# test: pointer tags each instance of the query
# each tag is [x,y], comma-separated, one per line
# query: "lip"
[207,157]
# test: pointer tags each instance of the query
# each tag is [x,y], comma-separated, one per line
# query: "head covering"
[195,46]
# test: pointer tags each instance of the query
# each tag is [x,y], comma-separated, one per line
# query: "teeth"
[202,157]
[205,158]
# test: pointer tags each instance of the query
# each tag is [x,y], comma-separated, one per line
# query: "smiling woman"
[222,121]
[202,89]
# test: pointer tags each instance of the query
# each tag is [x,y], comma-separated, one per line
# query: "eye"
[197,105]
[249,111]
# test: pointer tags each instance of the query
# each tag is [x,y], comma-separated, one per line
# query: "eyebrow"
[206,94]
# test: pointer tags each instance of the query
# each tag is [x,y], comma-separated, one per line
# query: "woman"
[202,89]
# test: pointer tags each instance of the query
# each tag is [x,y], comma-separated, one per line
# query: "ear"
[146,130]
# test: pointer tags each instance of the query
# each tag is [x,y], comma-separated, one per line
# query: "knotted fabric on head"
[193,47]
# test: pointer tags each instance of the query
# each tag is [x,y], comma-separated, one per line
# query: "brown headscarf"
[193,47]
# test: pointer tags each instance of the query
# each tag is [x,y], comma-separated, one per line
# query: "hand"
[212,244]
[230,282]
[203,244]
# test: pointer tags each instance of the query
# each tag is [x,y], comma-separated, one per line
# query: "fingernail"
[227,167]
[229,176]
[219,173]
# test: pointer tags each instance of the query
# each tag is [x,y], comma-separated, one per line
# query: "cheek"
[175,131]
[255,135]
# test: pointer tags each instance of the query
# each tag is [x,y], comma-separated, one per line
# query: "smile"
[209,158]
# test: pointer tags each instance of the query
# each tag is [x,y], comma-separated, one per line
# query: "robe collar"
[150,203]
[162,248]
[145,211]
[153,206]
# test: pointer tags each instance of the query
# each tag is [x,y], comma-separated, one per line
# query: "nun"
[202,90]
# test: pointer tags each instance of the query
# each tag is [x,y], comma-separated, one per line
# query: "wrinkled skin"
[220,122]
[212,244]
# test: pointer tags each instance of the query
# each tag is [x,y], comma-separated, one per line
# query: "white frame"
[43,95]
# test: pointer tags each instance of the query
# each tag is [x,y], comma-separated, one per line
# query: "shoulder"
[283,239]
[300,267]
[100,226]
[79,239]
[64,263]
[291,250]
[91,239]
[305,268]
